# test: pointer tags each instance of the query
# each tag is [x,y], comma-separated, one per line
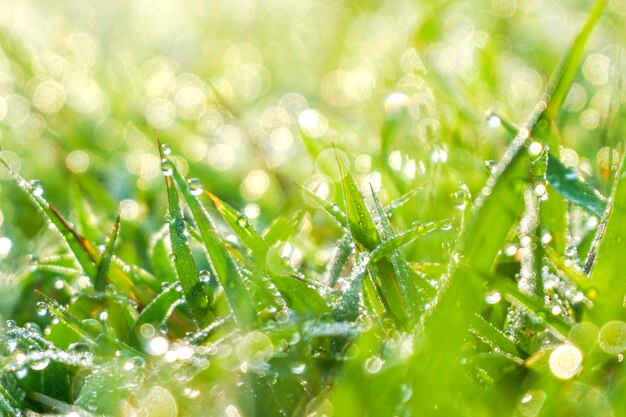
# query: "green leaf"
[572,187]
[105,262]
[348,308]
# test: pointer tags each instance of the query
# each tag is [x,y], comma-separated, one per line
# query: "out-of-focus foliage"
[312,208]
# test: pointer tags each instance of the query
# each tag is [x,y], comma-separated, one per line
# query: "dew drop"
[493,297]
[42,308]
[39,363]
[374,364]
[36,187]
[242,221]
[166,149]
[298,369]
[195,186]
[167,167]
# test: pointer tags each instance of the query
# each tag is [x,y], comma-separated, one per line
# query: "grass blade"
[105,262]
[220,261]
[195,293]
[332,209]
[570,185]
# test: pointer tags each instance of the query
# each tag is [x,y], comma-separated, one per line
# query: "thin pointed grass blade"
[298,295]
[158,310]
[570,185]
[75,243]
[403,199]
[403,274]
[68,320]
[564,76]
[223,265]
[240,225]
[494,336]
[360,220]
[444,330]
[608,269]
[195,293]
[338,260]
[348,308]
[8,404]
[281,228]
[332,209]
[105,261]
[415,232]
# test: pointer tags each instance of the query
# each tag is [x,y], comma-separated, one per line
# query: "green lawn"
[312,208]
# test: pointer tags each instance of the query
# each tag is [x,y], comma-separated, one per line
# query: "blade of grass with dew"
[332,209]
[365,235]
[298,295]
[74,242]
[444,330]
[494,336]
[607,270]
[404,276]
[399,240]
[102,274]
[85,217]
[282,228]
[220,261]
[338,260]
[196,295]
[348,308]
[403,199]
[8,404]
[158,310]
[570,185]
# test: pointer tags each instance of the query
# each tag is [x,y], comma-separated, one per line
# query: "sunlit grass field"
[312,208]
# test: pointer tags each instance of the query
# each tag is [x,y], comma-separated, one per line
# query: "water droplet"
[612,337]
[565,361]
[298,368]
[493,120]
[166,149]
[535,148]
[167,167]
[195,186]
[491,165]
[92,326]
[36,187]
[42,308]
[39,362]
[374,364]
[493,297]
[242,221]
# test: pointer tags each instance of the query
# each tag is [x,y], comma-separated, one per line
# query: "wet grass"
[419,277]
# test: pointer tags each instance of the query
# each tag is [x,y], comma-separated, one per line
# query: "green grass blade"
[572,187]
[105,261]
[221,262]
[360,220]
[195,293]
[564,76]
[338,261]
[607,270]
[332,209]
[158,310]
[495,213]
[348,308]
[486,331]
[8,404]
[403,199]
[75,243]
[296,293]
[389,246]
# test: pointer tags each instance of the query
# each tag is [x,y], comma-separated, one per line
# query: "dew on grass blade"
[493,297]
[167,167]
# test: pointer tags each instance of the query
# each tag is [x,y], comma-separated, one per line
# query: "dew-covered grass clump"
[312,208]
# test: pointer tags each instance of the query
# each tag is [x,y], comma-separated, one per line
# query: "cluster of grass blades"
[526,319]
